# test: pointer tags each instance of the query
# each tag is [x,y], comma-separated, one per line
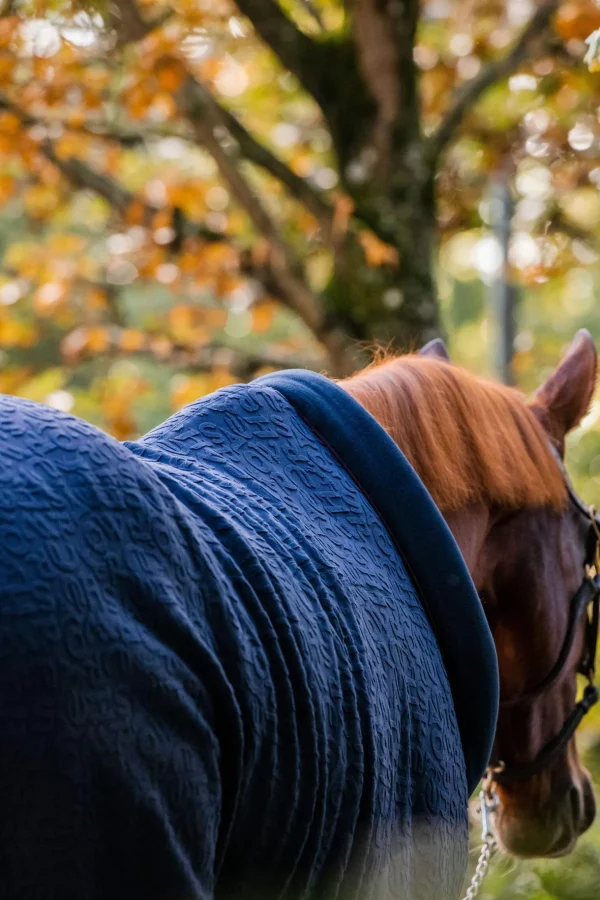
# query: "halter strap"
[587,597]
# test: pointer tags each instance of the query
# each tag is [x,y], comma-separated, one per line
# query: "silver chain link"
[488,803]
[481,869]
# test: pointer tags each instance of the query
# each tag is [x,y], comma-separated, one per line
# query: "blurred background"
[196,192]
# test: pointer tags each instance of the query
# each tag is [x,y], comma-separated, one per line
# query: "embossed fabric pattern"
[217,678]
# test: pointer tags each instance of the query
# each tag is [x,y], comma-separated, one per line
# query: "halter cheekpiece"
[585,603]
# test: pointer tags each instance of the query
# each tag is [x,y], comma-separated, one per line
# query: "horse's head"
[493,465]
[528,570]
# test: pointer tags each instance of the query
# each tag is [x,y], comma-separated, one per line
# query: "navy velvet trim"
[425,543]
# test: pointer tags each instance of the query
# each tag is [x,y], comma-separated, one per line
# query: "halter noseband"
[585,602]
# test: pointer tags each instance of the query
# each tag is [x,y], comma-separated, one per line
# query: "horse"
[257,651]
[493,465]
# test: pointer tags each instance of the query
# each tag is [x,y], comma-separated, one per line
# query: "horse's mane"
[470,440]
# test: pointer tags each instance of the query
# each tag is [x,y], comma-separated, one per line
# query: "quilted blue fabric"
[217,676]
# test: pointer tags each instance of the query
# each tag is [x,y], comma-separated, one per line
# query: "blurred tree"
[227,187]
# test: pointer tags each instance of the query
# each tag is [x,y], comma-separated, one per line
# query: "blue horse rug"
[239,658]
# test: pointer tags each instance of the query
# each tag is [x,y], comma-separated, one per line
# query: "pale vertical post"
[502,291]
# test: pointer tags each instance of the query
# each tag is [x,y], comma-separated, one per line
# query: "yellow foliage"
[17,334]
[187,388]
[40,200]
[38,387]
[66,244]
[11,380]
[23,258]
[188,263]
[181,323]
[71,144]
[216,256]
[301,163]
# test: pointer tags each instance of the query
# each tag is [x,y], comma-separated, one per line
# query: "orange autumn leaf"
[7,65]
[263,317]
[7,188]
[122,427]
[161,346]
[218,255]
[66,244]
[181,322]
[187,388]
[135,212]
[10,123]
[170,74]
[261,252]
[17,334]
[221,377]
[214,318]
[131,340]
[377,253]
[95,298]
[342,211]
[98,340]
[577,20]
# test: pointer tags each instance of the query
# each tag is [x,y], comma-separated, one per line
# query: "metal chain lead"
[481,869]
[488,803]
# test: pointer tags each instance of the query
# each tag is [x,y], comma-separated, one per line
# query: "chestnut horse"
[219,676]
[491,462]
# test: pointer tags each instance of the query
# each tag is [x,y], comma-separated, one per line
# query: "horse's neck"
[470,527]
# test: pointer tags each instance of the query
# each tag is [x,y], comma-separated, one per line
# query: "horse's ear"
[436,348]
[563,399]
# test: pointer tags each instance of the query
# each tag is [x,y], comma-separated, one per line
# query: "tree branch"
[500,68]
[129,24]
[200,103]
[209,356]
[295,50]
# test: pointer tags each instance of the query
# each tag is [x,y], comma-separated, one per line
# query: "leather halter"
[585,602]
